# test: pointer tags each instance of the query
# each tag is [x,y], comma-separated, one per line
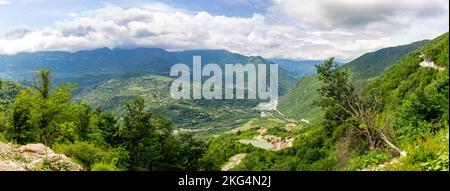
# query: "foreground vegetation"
[138,140]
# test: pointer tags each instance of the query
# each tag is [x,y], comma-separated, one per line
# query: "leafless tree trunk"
[366,114]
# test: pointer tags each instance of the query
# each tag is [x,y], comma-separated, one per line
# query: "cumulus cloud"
[289,29]
[332,14]
[18,32]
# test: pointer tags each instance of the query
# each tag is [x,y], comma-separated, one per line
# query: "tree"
[347,106]
[8,91]
[83,119]
[35,113]
[110,130]
[47,106]
[151,144]
[140,136]
[20,129]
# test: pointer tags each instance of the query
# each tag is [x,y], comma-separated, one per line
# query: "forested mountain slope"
[373,64]
[298,102]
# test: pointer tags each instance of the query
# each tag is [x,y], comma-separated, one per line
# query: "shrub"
[103,167]
[89,154]
[3,138]
[372,158]
[429,152]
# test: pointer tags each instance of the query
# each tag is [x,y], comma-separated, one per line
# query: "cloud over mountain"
[288,29]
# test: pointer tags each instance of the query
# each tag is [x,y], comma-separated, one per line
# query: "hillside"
[413,113]
[112,95]
[373,64]
[418,94]
[416,98]
[298,102]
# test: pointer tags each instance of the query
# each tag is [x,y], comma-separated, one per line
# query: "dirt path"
[233,162]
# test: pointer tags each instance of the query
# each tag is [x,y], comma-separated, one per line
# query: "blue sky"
[294,29]
[38,13]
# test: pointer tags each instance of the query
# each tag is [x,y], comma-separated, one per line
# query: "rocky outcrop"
[33,157]
[428,63]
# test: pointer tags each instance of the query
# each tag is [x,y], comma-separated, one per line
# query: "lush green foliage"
[8,92]
[88,154]
[220,150]
[138,140]
[311,151]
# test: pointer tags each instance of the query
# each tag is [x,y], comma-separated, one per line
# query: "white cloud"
[282,32]
[332,14]
[72,14]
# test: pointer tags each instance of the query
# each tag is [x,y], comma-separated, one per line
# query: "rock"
[35,148]
[4,147]
[403,153]
[34,157]
[10,166]
[34,151]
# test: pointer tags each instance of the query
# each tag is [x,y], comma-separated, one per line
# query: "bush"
[89,154]
[372,158]
[3,138]
[219,152]
[429,152]
[103,167]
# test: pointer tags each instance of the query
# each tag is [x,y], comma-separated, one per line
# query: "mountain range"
[108,78]
[89,67]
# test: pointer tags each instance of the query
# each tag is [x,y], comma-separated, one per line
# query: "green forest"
[392,115]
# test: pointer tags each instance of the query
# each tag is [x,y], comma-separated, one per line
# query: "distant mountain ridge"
[300,68]
[373,64]
[88,67]
[108,78]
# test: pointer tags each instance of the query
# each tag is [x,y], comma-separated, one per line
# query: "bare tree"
[338,91]
[43,83]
